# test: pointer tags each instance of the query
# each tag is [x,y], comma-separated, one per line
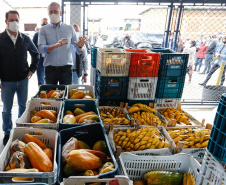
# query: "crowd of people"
[207,52]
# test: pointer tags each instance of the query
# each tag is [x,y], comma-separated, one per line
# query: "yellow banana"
[143,142]
[136,146]
[161,145]
[204,144]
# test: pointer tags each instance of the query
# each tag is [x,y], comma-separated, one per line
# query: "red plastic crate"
[144,64]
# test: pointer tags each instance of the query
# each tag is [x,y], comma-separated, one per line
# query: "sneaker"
[202,84]
[5,139]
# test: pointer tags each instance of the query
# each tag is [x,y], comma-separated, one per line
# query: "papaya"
[55,93]
[88,173]
[81,160]
[44,121]
[49,153]
[50,93]
[78,95]
[83,145]
[100,146]
[89,94]
[35,119]
[30,138]
[87,97]
[78,111]
[33,112]
[101,155]
[82,115]
[54,112]
[72,92]
[47,114]
[89,117]
[68,171]
[68,112]
[43,94]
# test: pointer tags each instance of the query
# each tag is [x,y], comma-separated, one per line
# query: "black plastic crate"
[50,87]
[170,87]
[172,63]
[111,89]
[90,134]
[71,105]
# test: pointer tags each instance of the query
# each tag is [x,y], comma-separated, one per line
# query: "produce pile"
[192,138]
[34,156]
[113,116]
[79,116]
[43,116]
[145,114]
[80,160]
[75,94]
[166,177]
[140,139]
[53,94]
[172,113]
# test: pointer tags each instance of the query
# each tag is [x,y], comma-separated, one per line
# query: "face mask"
[54,18]
[13,26]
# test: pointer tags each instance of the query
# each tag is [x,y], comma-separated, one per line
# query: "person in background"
[219,41]
[187,42]
[37,29]
[55,40]
[199,40]
[170,43]
[220,57]
[40,69]
[210,55]
[191,50]
[179,48]
[15,71]
[200,55]
[80,62]
[127,42]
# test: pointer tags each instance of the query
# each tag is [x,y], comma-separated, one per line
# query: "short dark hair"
[193,43]
[12,12]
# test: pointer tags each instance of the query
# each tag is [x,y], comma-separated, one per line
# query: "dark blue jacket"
[13,59]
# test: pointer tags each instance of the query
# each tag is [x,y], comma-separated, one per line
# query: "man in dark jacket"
[14,69]
[40,69]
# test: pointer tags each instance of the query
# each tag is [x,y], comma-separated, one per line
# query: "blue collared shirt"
[51,34]
[222,51]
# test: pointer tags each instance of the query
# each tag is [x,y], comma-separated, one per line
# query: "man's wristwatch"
[85,74]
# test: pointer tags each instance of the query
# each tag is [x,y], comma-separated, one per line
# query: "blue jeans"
[75,79]
[208,60]
[62,74]
[40,72]
[198,62]
[8,91]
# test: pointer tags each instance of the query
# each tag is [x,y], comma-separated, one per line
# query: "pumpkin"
[38,158]
[46,114]
[29,138]
[49,153]
[81,160]
[163,177]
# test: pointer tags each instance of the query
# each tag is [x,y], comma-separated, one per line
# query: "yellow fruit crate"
[154,152]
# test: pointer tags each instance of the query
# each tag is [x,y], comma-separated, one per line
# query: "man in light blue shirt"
[55,40]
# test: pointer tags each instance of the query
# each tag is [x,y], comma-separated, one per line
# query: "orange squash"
[81,160]
[38,158]
[47,114]
[49,153]
[29,138]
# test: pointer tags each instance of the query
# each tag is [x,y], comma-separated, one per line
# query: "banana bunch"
[140,139]
[116,121]
[145,114]
[192,138]
[172,113]
[140,107]
[113,116]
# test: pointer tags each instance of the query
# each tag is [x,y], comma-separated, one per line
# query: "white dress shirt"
[12,37]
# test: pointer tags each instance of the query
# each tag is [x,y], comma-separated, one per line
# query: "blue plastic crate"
[111,88]
[93,56]
[172,63]
[170,87]
[71,105]
[89,134]
[50,87]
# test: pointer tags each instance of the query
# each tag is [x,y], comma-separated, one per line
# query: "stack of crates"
[111,76]
[93,65]
[171,76]
[143,76]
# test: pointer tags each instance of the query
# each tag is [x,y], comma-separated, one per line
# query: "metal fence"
[146,25]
